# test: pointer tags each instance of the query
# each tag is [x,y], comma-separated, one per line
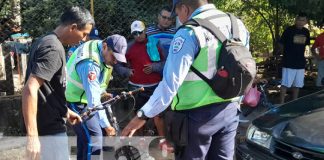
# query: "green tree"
[262,19]
[313,8]
[111,16]
[39,17]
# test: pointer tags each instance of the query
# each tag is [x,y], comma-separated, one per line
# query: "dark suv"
[293,131]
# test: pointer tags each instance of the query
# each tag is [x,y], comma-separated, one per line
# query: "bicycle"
[264,103]
[123,148]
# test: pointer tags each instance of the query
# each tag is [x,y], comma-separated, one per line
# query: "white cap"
[137,26]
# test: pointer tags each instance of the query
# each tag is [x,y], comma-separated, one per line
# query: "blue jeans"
[89,135]
[212,131]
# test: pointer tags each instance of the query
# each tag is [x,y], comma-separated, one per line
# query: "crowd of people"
[61,85]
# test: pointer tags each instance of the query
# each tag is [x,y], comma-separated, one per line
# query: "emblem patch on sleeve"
[92,75]
[177,44]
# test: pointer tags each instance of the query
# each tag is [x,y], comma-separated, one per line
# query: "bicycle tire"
[128,152]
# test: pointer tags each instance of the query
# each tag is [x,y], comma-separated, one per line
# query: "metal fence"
[40,17]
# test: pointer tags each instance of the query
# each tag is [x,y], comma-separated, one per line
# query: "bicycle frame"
[264,99]
[90,112]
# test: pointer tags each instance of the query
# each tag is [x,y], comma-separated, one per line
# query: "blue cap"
[174,3]
[94,34]
[118,44]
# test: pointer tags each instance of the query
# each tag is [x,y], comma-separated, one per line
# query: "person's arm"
[313,49]
[89,73]
[180,58]
[46,61]
[122,70]
[73,117]
[158,66]
[176,68]
[155,66]
[307,37]
[29,104]
[281,42]
[29,109]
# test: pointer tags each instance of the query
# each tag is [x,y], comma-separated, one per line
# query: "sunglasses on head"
[137,33]
[165,17]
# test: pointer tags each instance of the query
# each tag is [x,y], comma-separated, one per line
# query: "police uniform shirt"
[182,52]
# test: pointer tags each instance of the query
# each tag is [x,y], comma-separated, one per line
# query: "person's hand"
[73,117]
[33,148]
[131,72]
[110,131]
[148,69]
[133,126]
[165,145]
[105,97]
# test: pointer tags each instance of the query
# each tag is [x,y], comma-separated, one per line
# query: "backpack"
[236,68]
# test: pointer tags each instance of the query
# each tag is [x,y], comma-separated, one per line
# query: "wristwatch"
[140,114]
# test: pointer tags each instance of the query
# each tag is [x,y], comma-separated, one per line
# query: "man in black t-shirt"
[293,42]
[43,99]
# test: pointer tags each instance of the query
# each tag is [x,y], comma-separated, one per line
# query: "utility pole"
[91,8]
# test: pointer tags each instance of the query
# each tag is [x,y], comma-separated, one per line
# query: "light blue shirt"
[178,64]
[92,87]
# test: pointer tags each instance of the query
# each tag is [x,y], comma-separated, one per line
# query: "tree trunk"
[16,14]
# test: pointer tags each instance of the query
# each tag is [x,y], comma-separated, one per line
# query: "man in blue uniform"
[212,121]
[88,73]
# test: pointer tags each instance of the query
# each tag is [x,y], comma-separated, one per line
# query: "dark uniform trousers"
[211,132]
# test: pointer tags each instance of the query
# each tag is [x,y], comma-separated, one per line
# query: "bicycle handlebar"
[271,82]
[102,106]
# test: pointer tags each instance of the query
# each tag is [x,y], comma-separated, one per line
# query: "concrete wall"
[11,120]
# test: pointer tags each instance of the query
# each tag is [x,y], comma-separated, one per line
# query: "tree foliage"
[262,20]
[4,9]
[111,17]
[265,19]
[8,23]
[40,17]
[313,8]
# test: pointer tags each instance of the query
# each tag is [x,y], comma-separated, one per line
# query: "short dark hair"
[302,14]
[166,8]
[78,15]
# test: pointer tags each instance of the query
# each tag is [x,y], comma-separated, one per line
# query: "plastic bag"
[252,97]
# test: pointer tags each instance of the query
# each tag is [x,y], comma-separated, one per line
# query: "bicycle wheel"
[127,153]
